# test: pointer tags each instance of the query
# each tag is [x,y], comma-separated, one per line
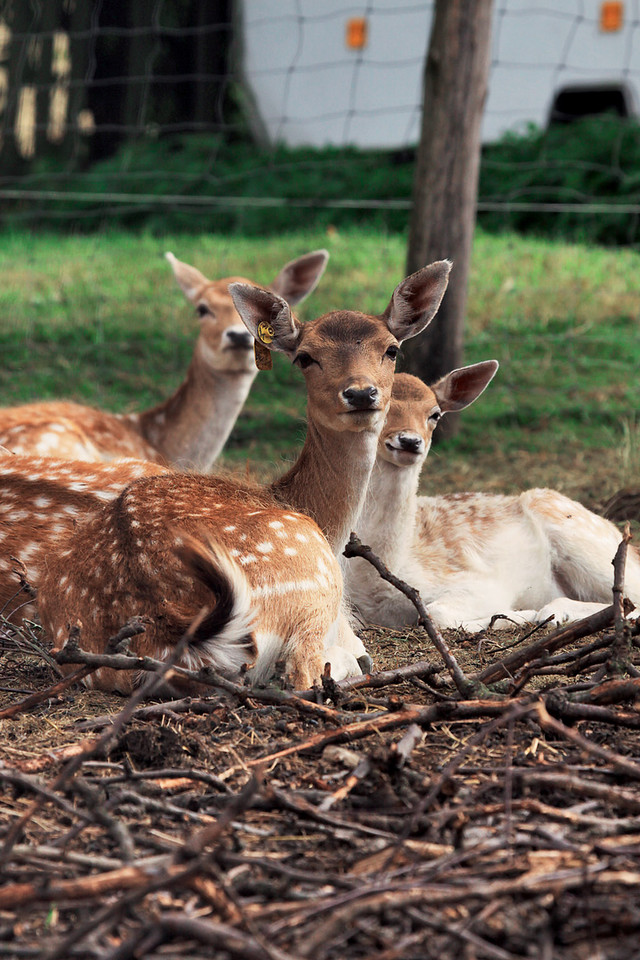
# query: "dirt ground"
[404,820]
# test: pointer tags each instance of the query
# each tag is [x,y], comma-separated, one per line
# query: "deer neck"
[388,517]
[191,427]
[329,480]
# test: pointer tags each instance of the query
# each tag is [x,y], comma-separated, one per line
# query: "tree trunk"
[446,175]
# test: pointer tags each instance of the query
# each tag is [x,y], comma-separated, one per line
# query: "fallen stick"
[355,548]
[504,669]
[155,682]
[443,710]
[35,699]
[619,654]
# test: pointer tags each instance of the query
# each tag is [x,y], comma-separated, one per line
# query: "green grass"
[99,319]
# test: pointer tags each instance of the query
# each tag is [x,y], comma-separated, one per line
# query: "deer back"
[128,560]
[40,500]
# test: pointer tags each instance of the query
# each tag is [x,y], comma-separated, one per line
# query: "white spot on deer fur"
[42,502]
[287,586]
[322,565]
[321,580]
[276,524]
[290,551]
[265,547]
[254,513]
[302,538]
[234,553]
[248,558]
[229,529]
[282,534]
[70,509]
[242,536]
[289,516]
[318,536]
[20,515]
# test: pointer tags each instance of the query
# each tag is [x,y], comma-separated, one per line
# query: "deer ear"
[415,301]
[190,280]
[461,387]
[299,277]
[266,316]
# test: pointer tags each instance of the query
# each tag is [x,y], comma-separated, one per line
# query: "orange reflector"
[611,16]
[357,29]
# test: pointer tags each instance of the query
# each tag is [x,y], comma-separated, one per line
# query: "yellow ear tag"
[266,333]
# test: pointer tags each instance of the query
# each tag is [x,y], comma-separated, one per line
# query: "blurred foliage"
[593,160]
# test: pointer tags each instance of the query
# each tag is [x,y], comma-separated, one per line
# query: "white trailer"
[324,72]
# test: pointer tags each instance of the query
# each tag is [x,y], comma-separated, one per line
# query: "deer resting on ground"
[169,545]
[474,556]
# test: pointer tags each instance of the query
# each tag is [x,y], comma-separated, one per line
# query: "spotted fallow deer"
[170,544]
[474,556]
[190,428]
[41,499]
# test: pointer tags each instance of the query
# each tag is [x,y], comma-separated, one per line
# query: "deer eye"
[304,360]
[392,351]
[435,415]
[202,310]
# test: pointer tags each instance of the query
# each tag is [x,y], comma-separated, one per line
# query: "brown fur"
[189,428]
[125,559]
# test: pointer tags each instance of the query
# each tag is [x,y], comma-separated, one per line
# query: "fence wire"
[94,92]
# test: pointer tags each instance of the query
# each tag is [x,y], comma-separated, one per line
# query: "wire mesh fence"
[249,112]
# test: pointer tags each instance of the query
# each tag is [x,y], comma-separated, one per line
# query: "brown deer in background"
[190,428]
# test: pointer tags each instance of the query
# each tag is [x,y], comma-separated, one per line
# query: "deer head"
[225,345]
[416,409]
[348,360]
[347,357]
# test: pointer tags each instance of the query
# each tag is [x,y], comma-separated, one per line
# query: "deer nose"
[363,398]
[410,442]
[239,339]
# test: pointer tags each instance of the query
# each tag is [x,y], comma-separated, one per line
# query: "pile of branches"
[419,811]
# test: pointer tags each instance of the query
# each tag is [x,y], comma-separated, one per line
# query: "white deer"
[271,571]
[190,428]
[474,556]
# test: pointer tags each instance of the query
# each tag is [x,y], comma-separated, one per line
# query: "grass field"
[99,319]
